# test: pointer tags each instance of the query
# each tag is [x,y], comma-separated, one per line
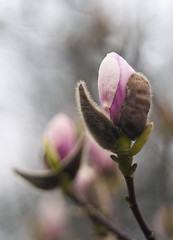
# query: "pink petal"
[52,220]
[108,79]
[125,72]
[85,178]
[61,134]
[100,157]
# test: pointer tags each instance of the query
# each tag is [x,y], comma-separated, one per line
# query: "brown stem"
[96,215]
[131,199]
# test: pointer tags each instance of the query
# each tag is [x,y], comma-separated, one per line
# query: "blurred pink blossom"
[52,219]
[84,179]
[100,157]
[114,73]
[89,185]
[61,134]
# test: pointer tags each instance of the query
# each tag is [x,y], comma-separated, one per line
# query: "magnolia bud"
[62,155]
[89,185]
[100,158]
[124,95]
[60,135]
[52,221]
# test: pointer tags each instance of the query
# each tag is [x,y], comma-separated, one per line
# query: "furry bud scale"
[134,113]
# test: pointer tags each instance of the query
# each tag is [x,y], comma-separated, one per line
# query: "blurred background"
[46,46]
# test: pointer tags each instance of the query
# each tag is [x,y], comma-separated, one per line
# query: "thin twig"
[131,199]
[96,215]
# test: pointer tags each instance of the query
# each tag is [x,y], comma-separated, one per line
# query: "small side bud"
[132,169]
[101,128]
[128,201]
[140,142]
[134,113]
[114,158]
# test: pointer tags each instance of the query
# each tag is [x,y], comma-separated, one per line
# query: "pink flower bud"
[114,73]
[89,185]
[62,153]
[100,158]
[85,178]
[61,134]
[52,219]
[125,97]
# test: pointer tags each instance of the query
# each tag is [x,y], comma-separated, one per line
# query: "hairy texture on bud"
[134,113]
[101,128]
